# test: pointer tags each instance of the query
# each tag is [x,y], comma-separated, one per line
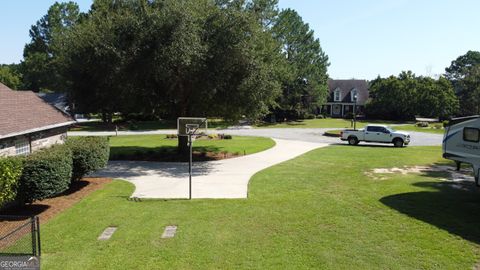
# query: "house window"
[471,134]
[337,95]
[354,95]
[22,147]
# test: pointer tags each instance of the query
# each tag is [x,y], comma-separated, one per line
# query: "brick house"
[27,123]
[340,101]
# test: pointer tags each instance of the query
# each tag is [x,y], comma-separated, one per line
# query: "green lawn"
[318,211]
[149,144]
[430,129]
[325,123]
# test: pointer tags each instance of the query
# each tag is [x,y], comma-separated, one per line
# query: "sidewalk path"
[226,178]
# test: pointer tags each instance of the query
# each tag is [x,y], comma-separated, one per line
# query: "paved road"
[226,178]
[297,134]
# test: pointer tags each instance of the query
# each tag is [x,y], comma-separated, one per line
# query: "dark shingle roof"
[345,87]
[59,100]
[23,112]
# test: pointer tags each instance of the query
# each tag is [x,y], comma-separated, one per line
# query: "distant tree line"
[406,96]
[169,58]
[456,93]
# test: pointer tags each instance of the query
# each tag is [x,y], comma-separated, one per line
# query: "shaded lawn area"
[326,123]
[318,211]
[141,125]
[134,146]
[430,129]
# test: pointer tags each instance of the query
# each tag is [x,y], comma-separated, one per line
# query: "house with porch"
[341,98]
[28,123]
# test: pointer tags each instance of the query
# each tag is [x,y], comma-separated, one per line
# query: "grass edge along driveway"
[133,144]
[318,211]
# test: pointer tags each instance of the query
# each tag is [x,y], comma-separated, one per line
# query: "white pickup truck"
[377,134]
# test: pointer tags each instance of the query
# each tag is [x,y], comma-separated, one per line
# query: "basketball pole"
[190,167]
[190,161]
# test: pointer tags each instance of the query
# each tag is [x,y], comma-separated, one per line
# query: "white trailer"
[461,143]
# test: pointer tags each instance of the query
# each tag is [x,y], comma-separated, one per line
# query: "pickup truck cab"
[376,134]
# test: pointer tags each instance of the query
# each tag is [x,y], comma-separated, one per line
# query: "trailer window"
[471,134]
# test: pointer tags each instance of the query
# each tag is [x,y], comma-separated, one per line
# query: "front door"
[336,110]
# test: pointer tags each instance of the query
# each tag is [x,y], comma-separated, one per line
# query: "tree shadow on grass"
[166,153]
[452,206]
[368,145]
[130,169]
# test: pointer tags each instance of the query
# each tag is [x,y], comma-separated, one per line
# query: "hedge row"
[50,171]
[46,173]
[89,155]
[10,172]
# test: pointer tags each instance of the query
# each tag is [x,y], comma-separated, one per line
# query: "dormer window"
[337,95]
[354,95]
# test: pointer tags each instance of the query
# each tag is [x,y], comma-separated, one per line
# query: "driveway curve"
[314,135]
[226,178]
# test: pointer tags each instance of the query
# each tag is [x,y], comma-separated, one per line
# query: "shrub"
[132,125]
[46,173]
[348,115]
[214,136]
[10,172]
[445,123]
[227,137]
[422,124]
[89,155]
[438,126]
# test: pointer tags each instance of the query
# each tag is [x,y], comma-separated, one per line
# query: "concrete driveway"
[225,178]
[215,179]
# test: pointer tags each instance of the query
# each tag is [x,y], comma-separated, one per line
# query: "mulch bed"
[48,208]
[45,209]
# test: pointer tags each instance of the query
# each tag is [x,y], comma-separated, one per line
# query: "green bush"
[89,155]
[348,115]
[227,137]
[422,124]
[10,172]
[445,123]
[46,173]
[438,126]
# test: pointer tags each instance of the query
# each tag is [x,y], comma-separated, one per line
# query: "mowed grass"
[318,211]
[325,123]
[133,144]
[430,129]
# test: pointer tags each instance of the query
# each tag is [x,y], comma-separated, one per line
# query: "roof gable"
[345,87]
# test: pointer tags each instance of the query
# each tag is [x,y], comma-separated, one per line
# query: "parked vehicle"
[377,134]
[461,142]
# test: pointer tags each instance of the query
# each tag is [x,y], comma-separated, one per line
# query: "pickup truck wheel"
[352,140]
[398,142]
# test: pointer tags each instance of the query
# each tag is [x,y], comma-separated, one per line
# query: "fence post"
[34,240]
[37,221]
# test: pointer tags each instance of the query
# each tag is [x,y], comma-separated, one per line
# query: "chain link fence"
[19,236]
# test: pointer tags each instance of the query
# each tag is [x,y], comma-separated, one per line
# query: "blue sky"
[363,38]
